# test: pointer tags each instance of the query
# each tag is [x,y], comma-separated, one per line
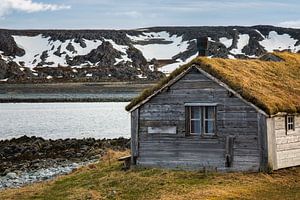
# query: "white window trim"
[290,123]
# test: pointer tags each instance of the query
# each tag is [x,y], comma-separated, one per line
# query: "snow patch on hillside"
[141,76]
[210,39]
[34,47]
[3,57]
[227,42]
[174,45]
[167,69]
[275,41]
[241,43]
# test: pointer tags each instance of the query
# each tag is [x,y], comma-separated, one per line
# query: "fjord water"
[64,120]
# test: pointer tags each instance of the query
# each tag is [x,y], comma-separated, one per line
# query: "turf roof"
[272,86]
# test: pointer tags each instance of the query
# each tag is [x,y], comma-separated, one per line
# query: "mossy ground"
[107,180]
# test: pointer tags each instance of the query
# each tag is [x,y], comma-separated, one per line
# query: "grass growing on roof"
[106,180]
[272,86]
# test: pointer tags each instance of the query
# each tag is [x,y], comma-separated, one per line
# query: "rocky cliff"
[149,53]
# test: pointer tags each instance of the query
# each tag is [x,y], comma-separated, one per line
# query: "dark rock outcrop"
[71,48]
[57,52]
[43,58]
[104,55]
[3,69]
[9,46]
[27,153]
[12,71]
[81,42]
[138,60]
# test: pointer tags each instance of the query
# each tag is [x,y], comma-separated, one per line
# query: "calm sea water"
[64,120]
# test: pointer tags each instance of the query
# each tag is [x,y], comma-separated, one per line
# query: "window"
[195,120]
[201,120]
[209,120]
[290,122]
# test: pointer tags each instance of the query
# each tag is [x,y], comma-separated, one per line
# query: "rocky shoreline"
[26,160]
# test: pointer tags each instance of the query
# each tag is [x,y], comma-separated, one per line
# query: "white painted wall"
[287,143]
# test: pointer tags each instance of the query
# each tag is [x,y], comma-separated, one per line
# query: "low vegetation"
[107,180]
[272,86]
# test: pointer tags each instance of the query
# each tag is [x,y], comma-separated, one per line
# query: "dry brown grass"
[106,180]
[272,86]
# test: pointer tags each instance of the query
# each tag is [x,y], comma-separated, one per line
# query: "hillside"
[149,53]
[107,180]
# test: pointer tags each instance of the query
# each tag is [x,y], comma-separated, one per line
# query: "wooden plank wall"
[234,117]
[134,135]
[287,143]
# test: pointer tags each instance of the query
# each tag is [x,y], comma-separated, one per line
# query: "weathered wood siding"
[176,150]
[263,141]
[134,135]
[287,143]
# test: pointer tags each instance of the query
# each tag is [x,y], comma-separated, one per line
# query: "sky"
[131,14]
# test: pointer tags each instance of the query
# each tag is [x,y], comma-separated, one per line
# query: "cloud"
[132,14]
[290,24]
[213,5]
[28,6]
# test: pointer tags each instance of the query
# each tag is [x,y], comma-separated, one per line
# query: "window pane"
[209,112]
[290,122]
[195,126]
[290,126]
[195,112]
[209,127]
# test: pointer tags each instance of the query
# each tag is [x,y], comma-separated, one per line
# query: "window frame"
[290,125]
[204,108]
[202,118]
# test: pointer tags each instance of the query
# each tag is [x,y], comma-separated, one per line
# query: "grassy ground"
[106,180]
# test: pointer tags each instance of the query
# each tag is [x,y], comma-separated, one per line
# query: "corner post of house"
[263,141]
[271,142]
[134,135]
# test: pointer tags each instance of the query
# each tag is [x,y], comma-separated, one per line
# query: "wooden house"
[221,114]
